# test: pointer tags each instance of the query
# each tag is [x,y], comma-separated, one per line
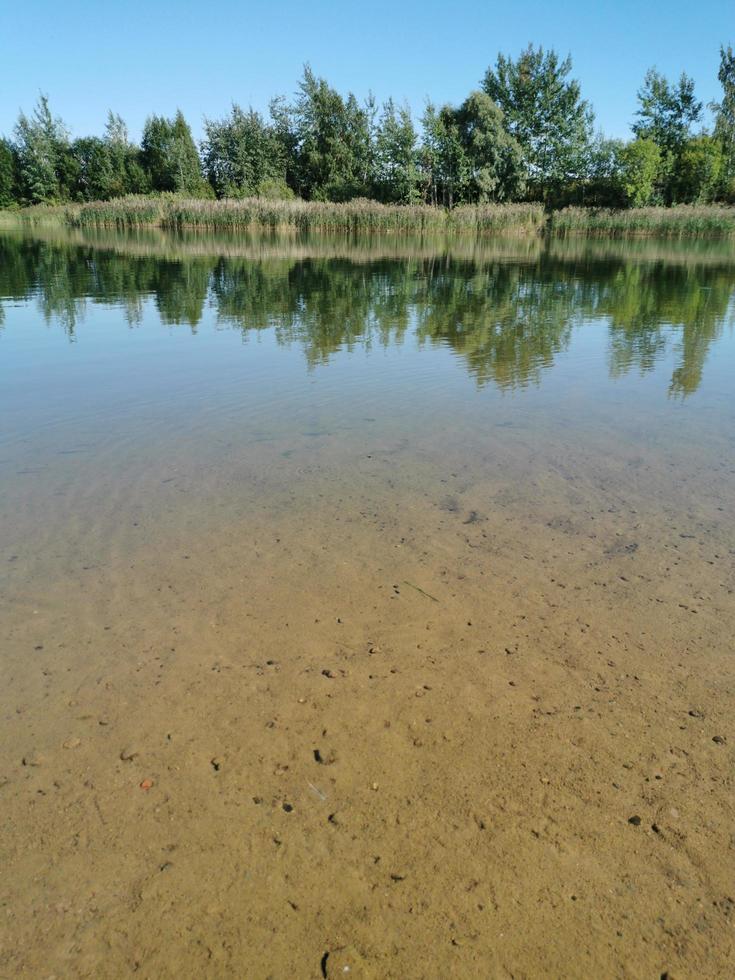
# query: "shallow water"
[233,467]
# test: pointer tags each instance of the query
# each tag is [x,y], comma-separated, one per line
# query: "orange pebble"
[146,784]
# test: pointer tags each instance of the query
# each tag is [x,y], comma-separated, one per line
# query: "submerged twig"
[418,589]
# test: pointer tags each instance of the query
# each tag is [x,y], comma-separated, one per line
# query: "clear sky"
[142,56]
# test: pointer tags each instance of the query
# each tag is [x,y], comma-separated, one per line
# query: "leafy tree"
[331,141]
[666,114]
[430,153]
[107,167]
[467,154]
[361,135]
[494,160]
[127,174]
[397,175]
[544,111]
[41,144]
[8,188]
[93,169]
[447,167]
[698,176]
[156,154]
[170,156]
[725,118]
[319,131]
[241,154]
[667,111]
[116,130]
[284,133]
[639,165]
[601,186]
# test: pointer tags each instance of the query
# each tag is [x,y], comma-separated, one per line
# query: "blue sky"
[139,57]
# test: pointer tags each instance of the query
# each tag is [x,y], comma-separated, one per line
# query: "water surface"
[496,476]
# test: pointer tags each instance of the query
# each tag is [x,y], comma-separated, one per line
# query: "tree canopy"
[544,111]
[725,118]
[169,154]
[242,154]
[667,111]
[526,134]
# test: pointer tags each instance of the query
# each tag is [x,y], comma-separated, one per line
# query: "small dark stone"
[719,739]
[635,820]
[287,807]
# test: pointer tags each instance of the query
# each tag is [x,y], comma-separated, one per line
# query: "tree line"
[526,133]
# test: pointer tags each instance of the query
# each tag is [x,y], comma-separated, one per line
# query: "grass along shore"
[371,217]
[681,221]
[363,216]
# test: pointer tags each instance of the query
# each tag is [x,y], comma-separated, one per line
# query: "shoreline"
[371,217]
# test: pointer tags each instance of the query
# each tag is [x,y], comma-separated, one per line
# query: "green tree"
[41,144]
[396,176]
[429,154]
[545,112]
[170,156]
[601,186]
[93,169]
[667,111]
[331,141]
[446,165]
[107,167]
[494,159]
[8,189]
[699,170]
[638,168]
[725,119]
[361,135]
[286,139]
[241,154]
[127,175]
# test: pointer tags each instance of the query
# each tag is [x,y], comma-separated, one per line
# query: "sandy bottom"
[313,704]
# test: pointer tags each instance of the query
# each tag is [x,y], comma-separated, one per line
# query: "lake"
[366,603]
